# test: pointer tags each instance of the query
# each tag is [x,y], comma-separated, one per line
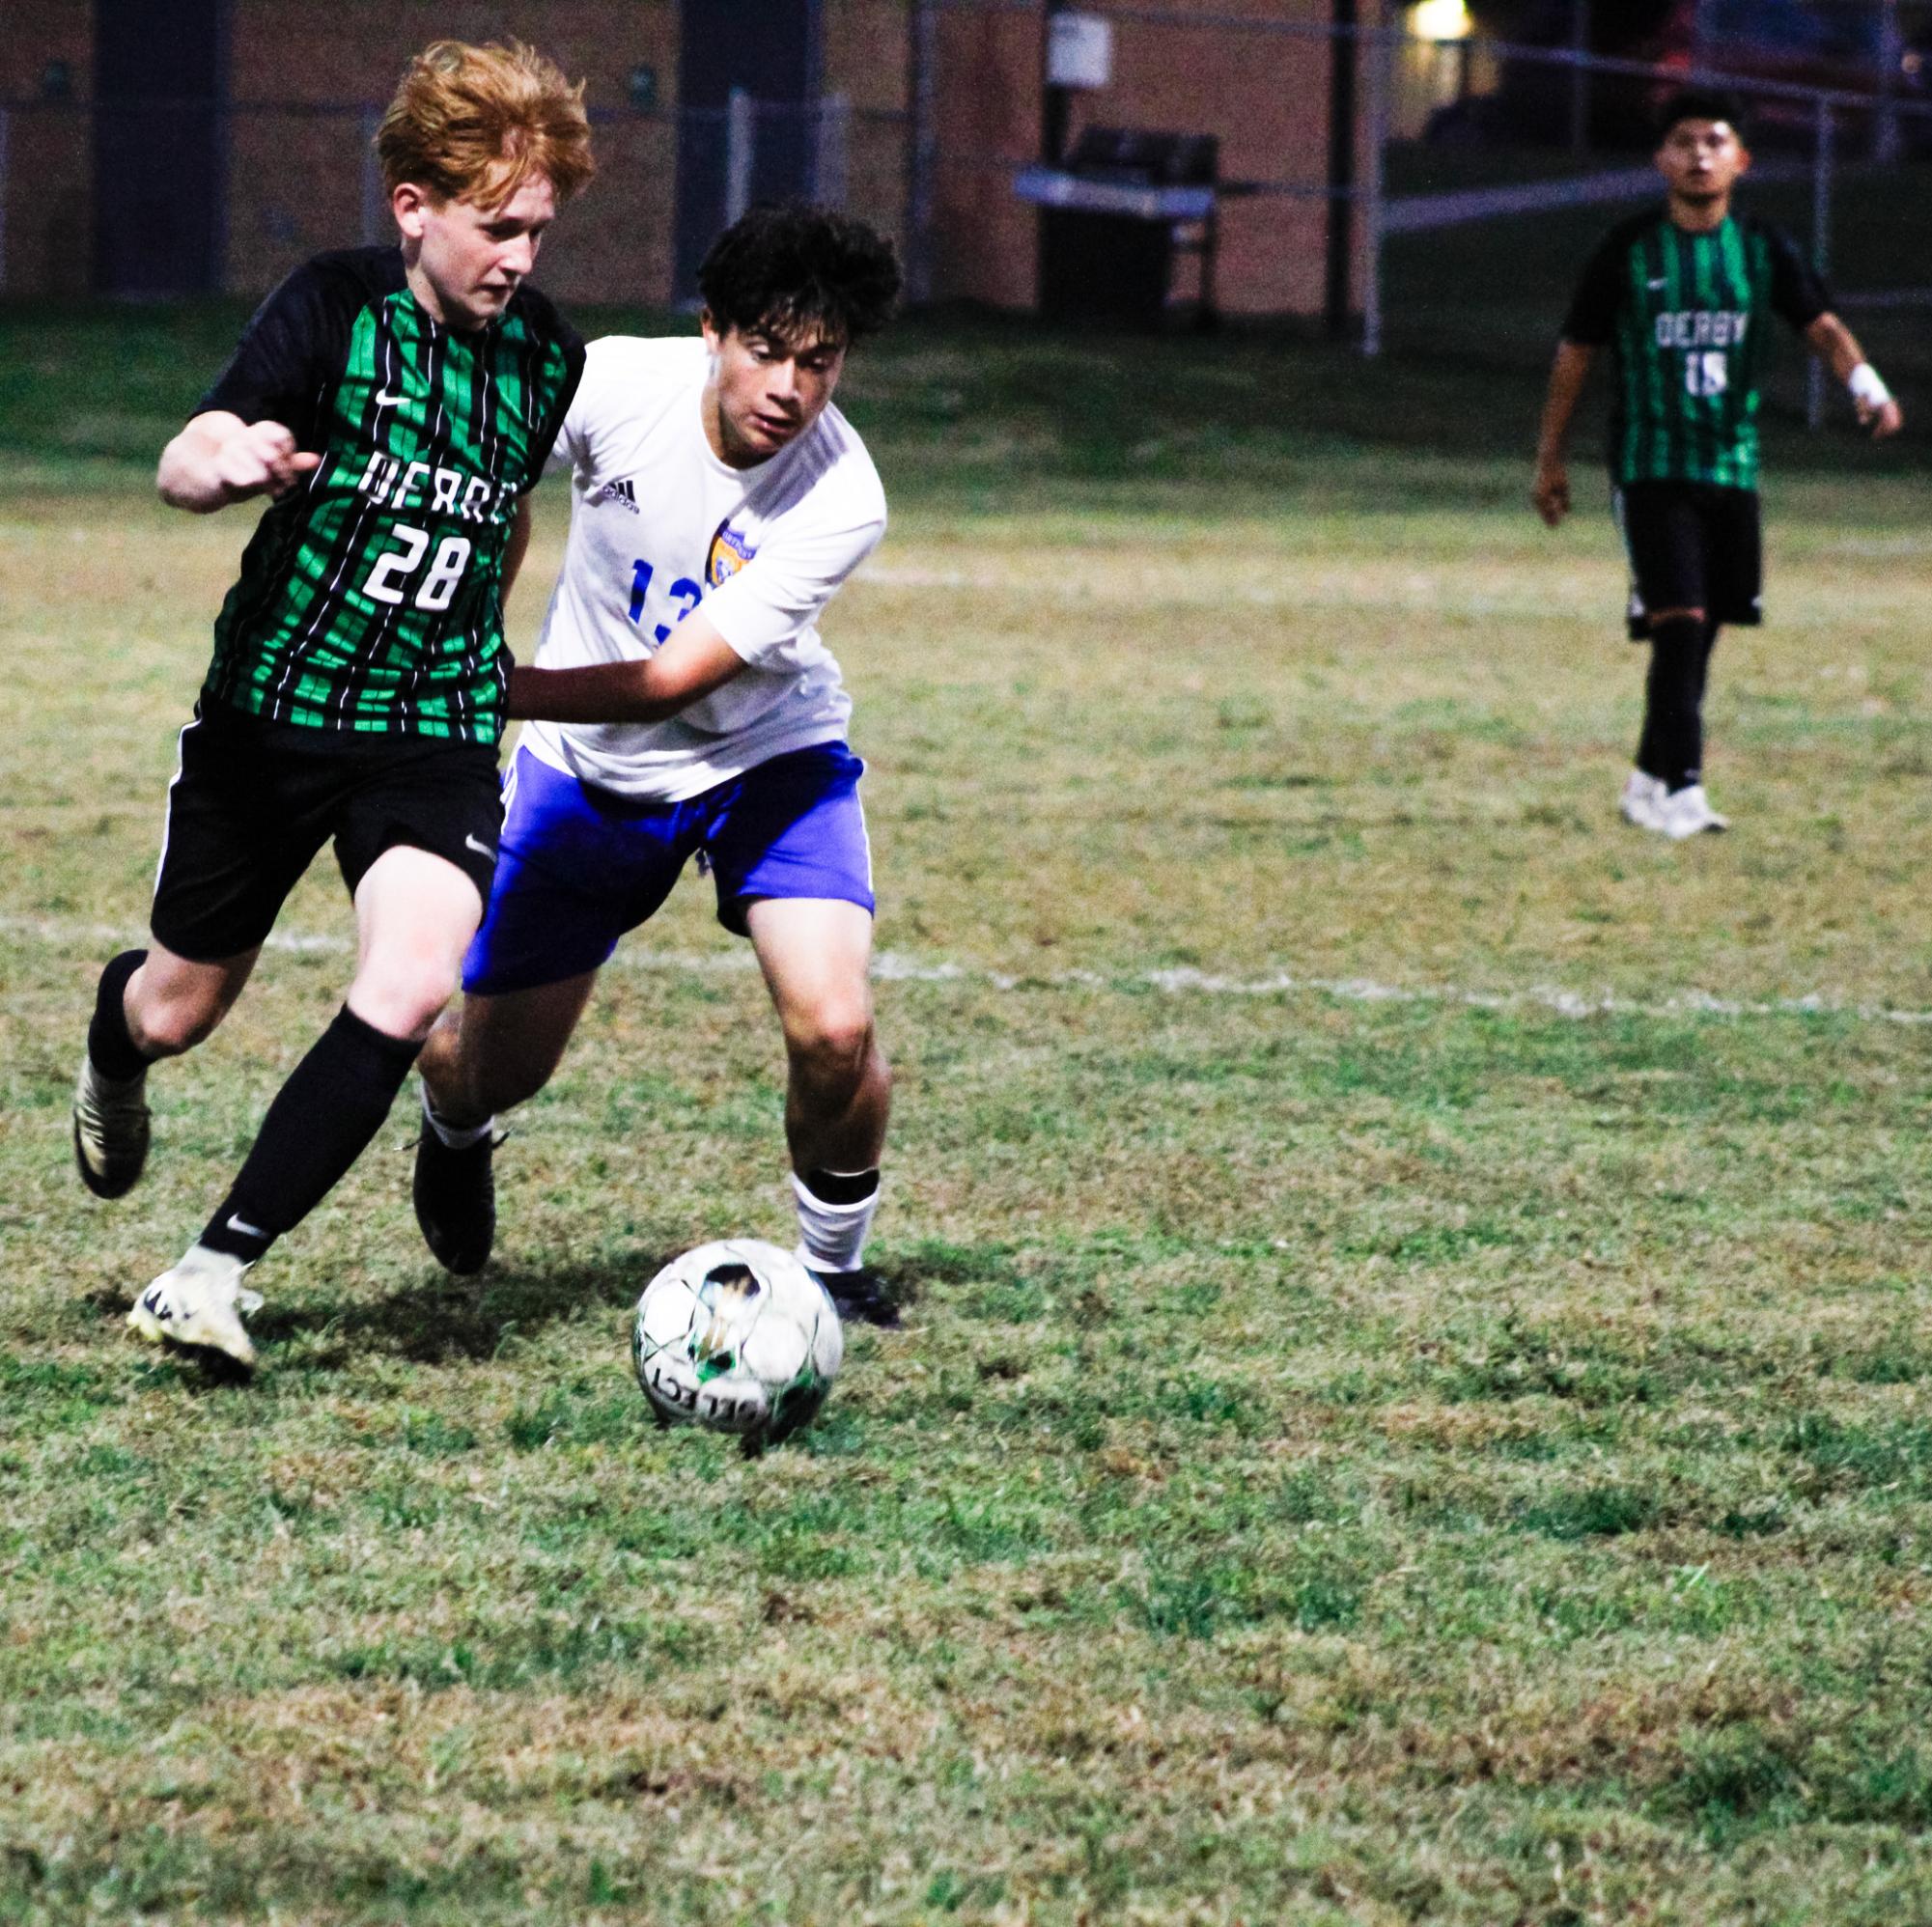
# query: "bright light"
[1441,20]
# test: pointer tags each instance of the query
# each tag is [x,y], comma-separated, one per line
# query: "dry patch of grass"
[1353,1457]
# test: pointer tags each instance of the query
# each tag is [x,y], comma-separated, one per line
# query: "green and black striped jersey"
[370,595]
[1685,314]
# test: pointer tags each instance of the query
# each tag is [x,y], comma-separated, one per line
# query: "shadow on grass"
[447,1320]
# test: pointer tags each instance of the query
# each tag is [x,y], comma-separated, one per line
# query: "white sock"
[831,1237]
[455,1135]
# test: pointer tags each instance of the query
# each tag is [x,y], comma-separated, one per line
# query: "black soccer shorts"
[253,802]
[1690,547]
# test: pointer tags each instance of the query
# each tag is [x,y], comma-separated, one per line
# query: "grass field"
[1416,1397]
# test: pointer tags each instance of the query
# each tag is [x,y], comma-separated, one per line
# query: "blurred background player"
[718,502]
[397,404]
[1682,294]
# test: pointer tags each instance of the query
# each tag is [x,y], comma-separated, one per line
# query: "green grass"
[1367,1446]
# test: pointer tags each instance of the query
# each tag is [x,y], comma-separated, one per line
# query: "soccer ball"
[737,1336]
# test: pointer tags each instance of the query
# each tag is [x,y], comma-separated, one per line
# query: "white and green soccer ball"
[737,1336]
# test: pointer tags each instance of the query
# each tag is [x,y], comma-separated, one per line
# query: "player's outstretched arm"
[1837,347]
[1550,492]
[518,545]
[219,458]
[695,661]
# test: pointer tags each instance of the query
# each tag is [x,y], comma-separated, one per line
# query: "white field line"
[1326,587]
[892,967]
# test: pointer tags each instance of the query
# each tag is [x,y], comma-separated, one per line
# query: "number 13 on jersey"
[687,592]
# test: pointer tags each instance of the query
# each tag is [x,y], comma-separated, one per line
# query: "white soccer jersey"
[659,525]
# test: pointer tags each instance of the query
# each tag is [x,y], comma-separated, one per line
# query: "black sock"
[842,1187]
[1672,746]
[320,1122]
[110,1047]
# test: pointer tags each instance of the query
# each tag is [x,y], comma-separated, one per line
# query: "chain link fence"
[1495,164]
[1413,188]
[272,182]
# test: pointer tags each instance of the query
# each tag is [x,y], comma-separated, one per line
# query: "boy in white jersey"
[682,703]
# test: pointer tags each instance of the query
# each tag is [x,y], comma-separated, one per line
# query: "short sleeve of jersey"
[1798,292]
[1591,320]
[549,448]
[289,355]
[781,592]
[576,432]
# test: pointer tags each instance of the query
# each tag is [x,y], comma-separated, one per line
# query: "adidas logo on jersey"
[619,492]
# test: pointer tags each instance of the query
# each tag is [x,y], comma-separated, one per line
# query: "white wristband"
[1866,386]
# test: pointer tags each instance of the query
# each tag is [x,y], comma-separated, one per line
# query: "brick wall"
[1266,96]
[302,75]
[987,104]
[39,31]
[47,213]
[298,183]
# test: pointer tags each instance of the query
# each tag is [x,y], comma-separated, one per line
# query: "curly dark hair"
[795,268]
[1699,103]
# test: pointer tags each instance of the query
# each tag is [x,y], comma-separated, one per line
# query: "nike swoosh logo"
[243,1228]
[481,848]
[396,400]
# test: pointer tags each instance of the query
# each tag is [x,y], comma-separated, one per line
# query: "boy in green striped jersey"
[395,406]
[1681,295]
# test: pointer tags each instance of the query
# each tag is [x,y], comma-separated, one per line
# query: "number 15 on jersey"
[1706,373]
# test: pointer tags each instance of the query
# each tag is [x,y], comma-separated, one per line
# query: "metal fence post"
[1821,248]
[1343,237]
[1886,144]
[1579,77]
[922,150]
[830,149]
[1381,52]
[6,133]
[740,141]
[374,202]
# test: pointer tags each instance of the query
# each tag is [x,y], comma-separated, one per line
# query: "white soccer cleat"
[1689,812]
[199,1303]
[1642,797]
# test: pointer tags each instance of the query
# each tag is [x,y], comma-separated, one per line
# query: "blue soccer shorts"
[578,867]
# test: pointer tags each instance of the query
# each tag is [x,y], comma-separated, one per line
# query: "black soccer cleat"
[454,1193]
[110,1132]
[859,1297]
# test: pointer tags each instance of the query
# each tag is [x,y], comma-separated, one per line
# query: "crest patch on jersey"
[730,552]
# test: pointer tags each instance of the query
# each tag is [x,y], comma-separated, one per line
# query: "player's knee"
[832,1041]
[167,1026]
[406,998]
[1675,621]
[166,1019]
